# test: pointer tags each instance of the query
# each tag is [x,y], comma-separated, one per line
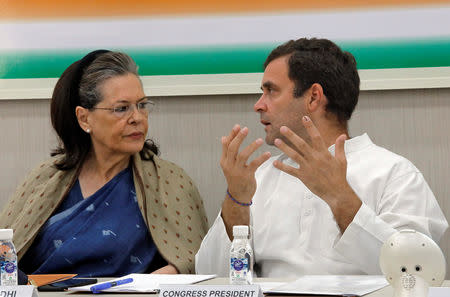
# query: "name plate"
[18,291]
[210,291]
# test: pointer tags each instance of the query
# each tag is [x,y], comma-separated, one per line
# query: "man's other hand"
[324,174]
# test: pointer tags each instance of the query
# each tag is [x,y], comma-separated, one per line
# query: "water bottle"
[241,257]
[8,259]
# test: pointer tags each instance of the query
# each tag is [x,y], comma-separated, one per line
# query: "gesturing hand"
[324,174]
[240,176]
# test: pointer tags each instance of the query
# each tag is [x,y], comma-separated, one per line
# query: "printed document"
[337,285]
[149,283]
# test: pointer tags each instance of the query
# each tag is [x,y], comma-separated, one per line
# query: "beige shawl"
[168,199]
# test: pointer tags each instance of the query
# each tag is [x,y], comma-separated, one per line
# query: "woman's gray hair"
[106,66]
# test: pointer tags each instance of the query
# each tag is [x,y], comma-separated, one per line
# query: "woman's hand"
[168,269]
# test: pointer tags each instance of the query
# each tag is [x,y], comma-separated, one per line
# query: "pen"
[100,287]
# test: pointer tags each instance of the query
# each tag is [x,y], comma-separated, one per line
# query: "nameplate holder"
[18,291]
[210,291]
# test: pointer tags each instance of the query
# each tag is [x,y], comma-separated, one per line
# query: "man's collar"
[354,144]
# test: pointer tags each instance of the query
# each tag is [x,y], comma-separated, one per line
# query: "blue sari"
[102,235]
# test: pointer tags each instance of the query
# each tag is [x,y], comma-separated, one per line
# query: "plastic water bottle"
[241,257]
[8,259]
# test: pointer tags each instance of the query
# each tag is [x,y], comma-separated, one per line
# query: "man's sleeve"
[213,257]
[407,203]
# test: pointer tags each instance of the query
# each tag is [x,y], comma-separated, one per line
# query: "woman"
[105,204]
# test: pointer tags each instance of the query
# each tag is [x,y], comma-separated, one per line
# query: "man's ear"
[316,99]
[82,117]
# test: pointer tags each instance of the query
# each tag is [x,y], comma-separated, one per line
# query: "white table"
[384,292]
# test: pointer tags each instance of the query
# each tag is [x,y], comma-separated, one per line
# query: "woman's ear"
[316,98]
[82,117]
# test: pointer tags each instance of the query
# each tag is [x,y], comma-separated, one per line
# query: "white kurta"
[295,233]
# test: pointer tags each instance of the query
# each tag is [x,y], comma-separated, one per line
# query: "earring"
[88,130]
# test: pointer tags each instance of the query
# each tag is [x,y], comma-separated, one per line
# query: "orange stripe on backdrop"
[57,9]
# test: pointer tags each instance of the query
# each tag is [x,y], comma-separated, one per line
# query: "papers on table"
[268,286]
[338,285]
[149,283]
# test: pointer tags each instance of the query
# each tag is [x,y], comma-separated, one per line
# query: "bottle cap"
[6,234]
[239,230]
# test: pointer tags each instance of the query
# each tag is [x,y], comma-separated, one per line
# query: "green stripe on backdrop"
[225,59]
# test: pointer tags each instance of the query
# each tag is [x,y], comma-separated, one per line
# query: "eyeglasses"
[126,109]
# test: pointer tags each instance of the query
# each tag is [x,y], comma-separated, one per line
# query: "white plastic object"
[8,259]
[241,257]
[411,263]
[240,230]
[6,234]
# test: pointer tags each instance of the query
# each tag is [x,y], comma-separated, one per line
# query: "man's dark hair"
[323,62]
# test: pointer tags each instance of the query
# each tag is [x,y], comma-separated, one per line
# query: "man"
[327,204]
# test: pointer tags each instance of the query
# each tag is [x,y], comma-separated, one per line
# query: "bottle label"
[8,272]
[10,267]
[8,264]
[238,264]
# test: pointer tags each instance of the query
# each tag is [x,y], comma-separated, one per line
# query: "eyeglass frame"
[117,114]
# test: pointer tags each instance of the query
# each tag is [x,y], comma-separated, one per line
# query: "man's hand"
[240,176]
[324,174]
